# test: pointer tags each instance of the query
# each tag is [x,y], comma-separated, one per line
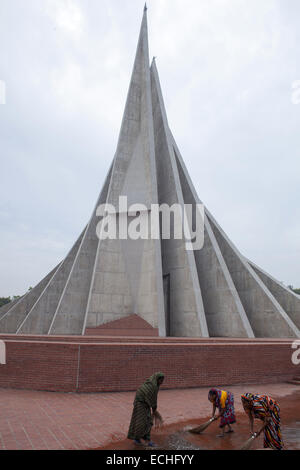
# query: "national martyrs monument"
[151,292]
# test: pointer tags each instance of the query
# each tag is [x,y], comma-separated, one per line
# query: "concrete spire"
[214,291]
[133,284]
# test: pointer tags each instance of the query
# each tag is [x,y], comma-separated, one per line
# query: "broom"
[248,444]
[202,427]
[158,421]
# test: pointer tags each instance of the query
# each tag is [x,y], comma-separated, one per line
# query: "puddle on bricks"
[178,437]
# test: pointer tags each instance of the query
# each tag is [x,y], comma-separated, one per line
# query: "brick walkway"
[45,420]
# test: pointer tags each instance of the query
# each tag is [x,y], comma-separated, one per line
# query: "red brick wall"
[120,366]
[40,366]
[133,325]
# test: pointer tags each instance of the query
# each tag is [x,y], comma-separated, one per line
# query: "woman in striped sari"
[224,401]
[142,418]
[267,410]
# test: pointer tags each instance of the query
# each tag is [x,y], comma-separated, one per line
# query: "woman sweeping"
[142,418]
[267,410]
[224,401]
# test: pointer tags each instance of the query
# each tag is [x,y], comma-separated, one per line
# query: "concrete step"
[294,382]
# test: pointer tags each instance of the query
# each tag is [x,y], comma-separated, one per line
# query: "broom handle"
[200,428]
[247,443]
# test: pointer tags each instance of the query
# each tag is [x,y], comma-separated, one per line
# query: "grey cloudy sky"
[227,68]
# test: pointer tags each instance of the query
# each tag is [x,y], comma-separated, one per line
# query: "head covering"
[149,390]
[247,398]
[154,378]
[213,391]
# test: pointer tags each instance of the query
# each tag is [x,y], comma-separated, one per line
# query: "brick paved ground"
[45,420]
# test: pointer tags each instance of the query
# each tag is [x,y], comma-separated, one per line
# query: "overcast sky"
[227,70]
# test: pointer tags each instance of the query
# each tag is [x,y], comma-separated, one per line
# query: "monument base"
[117,364]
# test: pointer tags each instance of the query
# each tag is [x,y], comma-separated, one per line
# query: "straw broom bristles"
[202,427]
[248,444]
[158,421]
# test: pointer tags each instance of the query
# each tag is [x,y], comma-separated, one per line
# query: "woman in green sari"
[142,418]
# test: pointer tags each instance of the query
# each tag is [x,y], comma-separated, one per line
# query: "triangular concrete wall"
[14,317]
[127,275]
[224,311]
[186,306]
[289,301]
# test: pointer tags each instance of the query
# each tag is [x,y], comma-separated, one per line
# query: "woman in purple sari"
[224,401]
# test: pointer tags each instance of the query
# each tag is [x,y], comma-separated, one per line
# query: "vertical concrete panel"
[7,307]
[69,316]
[118,285]
[265,314]
[39,319]
[187,316]
[224,311]
[110,286]
[288,300]
[12,319]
